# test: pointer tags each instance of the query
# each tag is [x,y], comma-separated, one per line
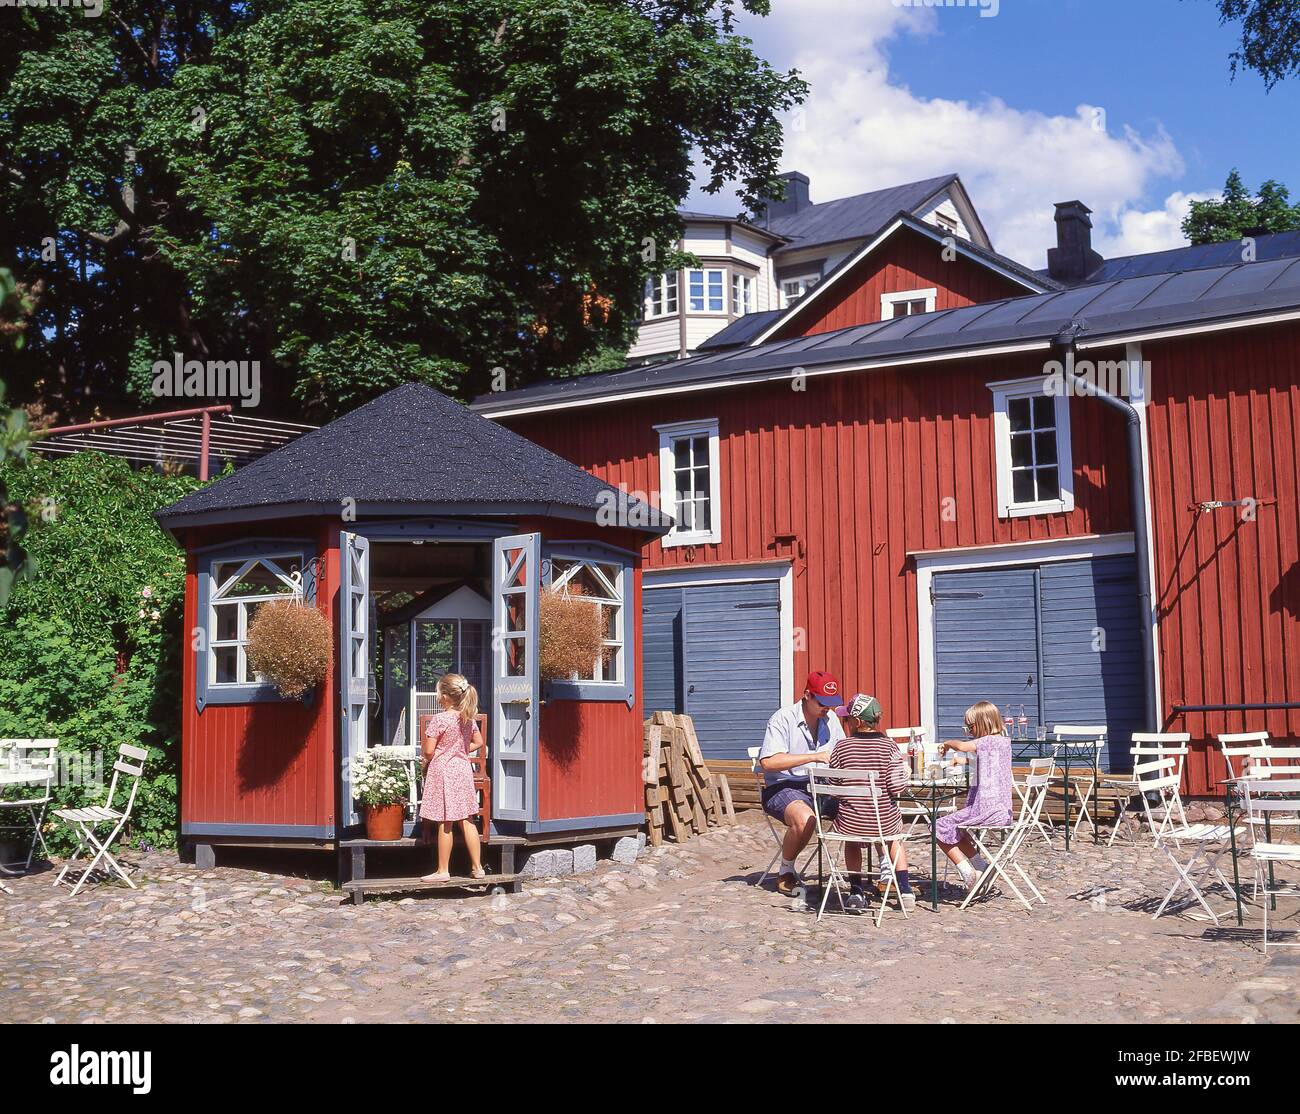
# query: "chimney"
[1072,260]
[796,197]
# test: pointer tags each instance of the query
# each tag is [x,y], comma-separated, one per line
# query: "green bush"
[90,648]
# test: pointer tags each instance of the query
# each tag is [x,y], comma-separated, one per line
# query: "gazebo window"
[233,584]
[601,579]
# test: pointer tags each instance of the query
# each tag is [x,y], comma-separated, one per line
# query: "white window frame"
[661,286]
[742,283]
[668,434]
[274,563]
[804,282]
[1003,393]
[888,301]
[618,599]
[721,311]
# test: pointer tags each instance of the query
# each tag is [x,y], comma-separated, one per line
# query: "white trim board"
[930,295]
[782,571]
[984,557]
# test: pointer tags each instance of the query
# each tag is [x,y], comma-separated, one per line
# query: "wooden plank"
[408,885]
[724,793]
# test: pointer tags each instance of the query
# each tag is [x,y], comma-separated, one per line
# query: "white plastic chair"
[1004,857]
[842,785]
[86,820]
[1157,768]
[37,762]
[1270,803]
[771,824]
[1081,737]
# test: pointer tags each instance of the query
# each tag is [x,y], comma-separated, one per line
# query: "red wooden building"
[425,533]
[933,508]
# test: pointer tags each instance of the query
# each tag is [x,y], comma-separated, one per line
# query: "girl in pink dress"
[449,740]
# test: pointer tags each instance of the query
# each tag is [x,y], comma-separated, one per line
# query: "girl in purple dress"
[989,806]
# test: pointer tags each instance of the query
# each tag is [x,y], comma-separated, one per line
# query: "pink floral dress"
[449,778]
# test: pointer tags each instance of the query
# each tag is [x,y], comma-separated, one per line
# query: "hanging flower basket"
[570,635]
[291,645]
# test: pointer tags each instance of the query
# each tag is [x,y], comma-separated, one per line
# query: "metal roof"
[1097,312]
[743,329]
[1268,247]
[850,218]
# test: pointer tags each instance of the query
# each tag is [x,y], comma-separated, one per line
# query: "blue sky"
[1127,105]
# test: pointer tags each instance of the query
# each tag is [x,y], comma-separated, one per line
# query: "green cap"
[865,709]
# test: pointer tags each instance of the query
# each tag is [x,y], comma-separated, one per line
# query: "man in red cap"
[797,736]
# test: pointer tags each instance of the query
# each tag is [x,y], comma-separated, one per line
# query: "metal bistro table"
[19,775]
[1065,750]
[933,792]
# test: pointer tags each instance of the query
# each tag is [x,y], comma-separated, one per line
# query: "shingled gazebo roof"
[410,451]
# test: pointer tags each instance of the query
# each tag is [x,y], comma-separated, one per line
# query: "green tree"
[1270,37]
[1238,212]
[16,305]
[360,194]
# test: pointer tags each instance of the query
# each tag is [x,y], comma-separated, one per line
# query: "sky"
[1127,105]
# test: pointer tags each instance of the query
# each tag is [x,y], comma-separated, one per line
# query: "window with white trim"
[1031,430]
[905,303]
[239,587]
[661,295]
[793,289]
[705,291]
[742,293]
[602,585]
[689,483]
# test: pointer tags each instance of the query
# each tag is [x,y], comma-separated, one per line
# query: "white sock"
[968,873]
[787,866]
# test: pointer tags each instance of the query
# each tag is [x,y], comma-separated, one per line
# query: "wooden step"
[363,887]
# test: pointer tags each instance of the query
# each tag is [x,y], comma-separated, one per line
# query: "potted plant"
[290,644]
[380,783]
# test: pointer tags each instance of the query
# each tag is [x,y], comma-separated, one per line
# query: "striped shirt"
[857,817]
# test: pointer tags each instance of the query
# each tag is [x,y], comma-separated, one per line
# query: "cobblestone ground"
[682,935]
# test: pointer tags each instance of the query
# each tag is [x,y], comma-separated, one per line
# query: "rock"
[547,862]
[584,858]
[627,849]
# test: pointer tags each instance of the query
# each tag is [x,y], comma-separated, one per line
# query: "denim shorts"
[782,794]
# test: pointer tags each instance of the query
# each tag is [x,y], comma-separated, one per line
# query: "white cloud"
[862,129]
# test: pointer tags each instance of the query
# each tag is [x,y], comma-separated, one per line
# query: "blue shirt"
[787,733]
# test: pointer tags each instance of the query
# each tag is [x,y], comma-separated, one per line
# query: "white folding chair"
[842,785]
[1002,857]
[1089,738]
[1273,802]
[1038,767]
[1210,842]
[771,824]
[130,764]
[1244,752]
[35,762]
[1157,770]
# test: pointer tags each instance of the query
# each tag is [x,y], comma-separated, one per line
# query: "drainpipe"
[1065,345]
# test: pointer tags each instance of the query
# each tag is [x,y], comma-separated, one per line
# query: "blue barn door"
[516,579]
[354,659]
[714,652]
[985,645]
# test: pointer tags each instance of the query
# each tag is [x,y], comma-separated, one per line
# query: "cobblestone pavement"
[682,935]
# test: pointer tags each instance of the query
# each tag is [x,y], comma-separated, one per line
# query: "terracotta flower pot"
[385,821]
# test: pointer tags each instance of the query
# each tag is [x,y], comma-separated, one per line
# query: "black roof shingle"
[410,446]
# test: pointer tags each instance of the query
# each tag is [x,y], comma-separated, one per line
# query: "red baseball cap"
[826,688]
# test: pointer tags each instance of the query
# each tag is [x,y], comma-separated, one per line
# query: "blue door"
[714,652]
[1062,640]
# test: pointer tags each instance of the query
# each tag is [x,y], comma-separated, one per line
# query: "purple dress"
[989,806]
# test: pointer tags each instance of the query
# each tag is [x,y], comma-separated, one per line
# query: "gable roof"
[412,450]
[1008,268]
[851,218]
[1268,247]
[1101,313]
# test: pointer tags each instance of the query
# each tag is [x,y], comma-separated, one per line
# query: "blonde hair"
[460,694]
[984,719]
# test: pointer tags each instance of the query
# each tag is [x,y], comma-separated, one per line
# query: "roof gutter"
[1067,344]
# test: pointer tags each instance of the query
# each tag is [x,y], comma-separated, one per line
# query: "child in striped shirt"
[866,748]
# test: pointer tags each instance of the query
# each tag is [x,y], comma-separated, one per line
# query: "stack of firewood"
[682,798]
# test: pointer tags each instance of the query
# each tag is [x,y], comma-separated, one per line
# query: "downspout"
[1065,345]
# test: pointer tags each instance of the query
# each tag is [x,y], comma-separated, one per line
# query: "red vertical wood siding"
[1225,415]
[907,261]
[269,763]
[589,761]
[858,466]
